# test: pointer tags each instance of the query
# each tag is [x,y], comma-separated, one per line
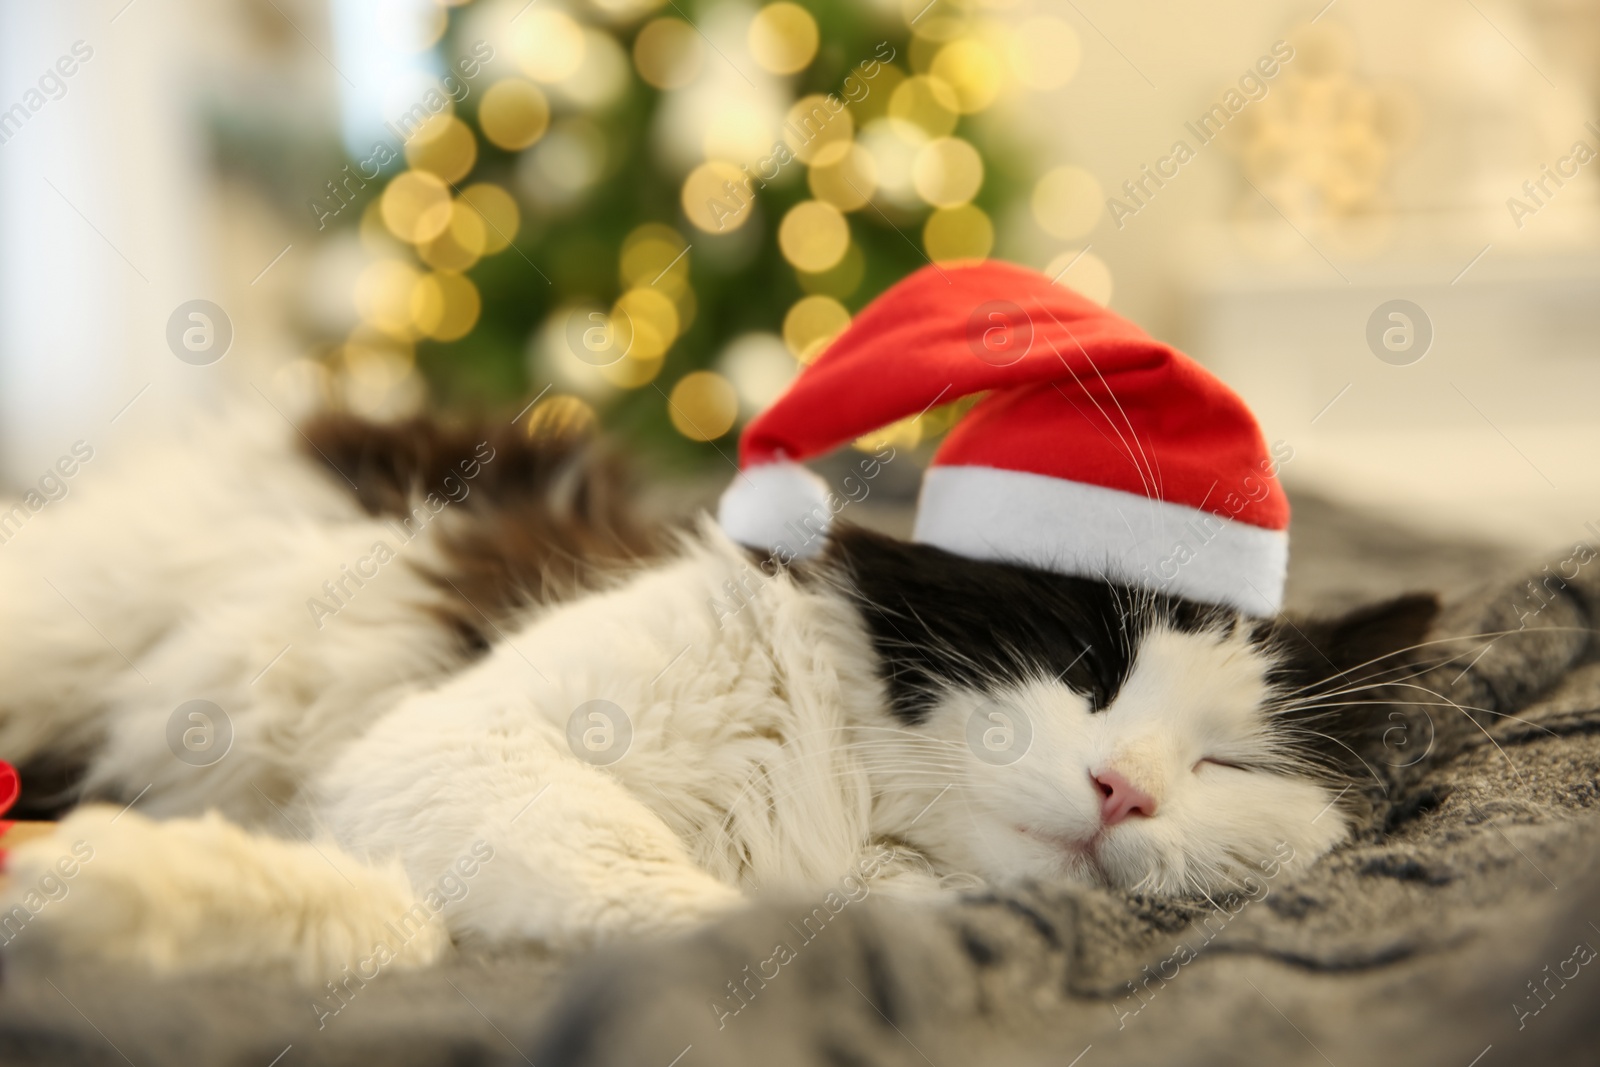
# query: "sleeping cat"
[441,685]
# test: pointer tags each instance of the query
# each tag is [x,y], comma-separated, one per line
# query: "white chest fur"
[722,743]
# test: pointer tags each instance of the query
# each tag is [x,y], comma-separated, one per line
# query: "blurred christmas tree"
[648,211]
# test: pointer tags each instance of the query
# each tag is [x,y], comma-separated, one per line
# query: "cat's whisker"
[1423,704]
[1493,635]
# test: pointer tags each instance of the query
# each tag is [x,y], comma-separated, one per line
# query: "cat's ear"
[1356,640]
[1357,645]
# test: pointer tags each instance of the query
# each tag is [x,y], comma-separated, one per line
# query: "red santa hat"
[1097,451]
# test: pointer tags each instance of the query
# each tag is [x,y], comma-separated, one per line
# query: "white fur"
[763,756]
[1190,698]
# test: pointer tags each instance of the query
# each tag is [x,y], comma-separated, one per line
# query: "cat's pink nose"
[1120,798]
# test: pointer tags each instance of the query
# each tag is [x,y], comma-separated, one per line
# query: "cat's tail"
[191,895]
[535,512]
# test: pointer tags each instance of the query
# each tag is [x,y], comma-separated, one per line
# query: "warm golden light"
[651,305]
[840,280]
[703,405]
[972,71]
[955,233]
[1045,52]
[947,172]
[813,235]
[907,434]
[929,104]
[717,197]
[496,210]
[416,206]
[514,114]
[1067,202]
[1083,272]
[875,103]
[548,44]
[654,255]
[460,245]
[812,126]
[560,417]
[783,38]
[443,146]
[668,53]
[637,368]
[811,323]
[444,306]
[843,174]
[383,297]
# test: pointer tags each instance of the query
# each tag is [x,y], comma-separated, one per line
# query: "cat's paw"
[204,895]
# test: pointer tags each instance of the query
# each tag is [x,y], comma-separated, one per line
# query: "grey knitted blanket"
[1461,928]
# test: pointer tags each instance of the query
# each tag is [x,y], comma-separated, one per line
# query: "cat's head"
[1040,725]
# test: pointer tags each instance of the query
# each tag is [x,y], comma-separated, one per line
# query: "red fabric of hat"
[1096,451]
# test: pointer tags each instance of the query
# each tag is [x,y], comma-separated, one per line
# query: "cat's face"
[1043,726]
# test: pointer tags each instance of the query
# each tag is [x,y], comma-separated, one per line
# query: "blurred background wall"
[1380,226]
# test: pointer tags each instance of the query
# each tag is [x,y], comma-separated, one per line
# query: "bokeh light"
[716,197]
[548,45]
[874,104]
[497,210]
[646,306]
[703,405]
[760,368]
[668,53]
[445,306]
[444,146]
[1067,202]
[944,21]
[840,280]
[929,104]
[811,127]
[560,417]
[813,235]
[654,255]
[947,172]
[894,155]
[460,245]
[844,175]
[783,38]
[906,434]
[383,297]
[1083,272]
[377,376]
[737,129]
[958,233]
[565,163]
[811,324]
[972,71]
[416,206]
[514,114]
[601,76]
[1045,52]
[644,359]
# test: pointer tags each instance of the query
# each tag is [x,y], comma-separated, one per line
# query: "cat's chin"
[1075,857]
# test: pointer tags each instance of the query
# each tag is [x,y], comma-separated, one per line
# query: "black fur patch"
[938,619]
[548,513]
[1356,717]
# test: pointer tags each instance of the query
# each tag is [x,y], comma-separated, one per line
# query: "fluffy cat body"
[610,757]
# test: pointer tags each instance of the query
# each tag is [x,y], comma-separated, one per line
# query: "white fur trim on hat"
[777,504]
[1077,528]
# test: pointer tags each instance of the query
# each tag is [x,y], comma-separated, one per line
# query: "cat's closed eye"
[1218,761]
